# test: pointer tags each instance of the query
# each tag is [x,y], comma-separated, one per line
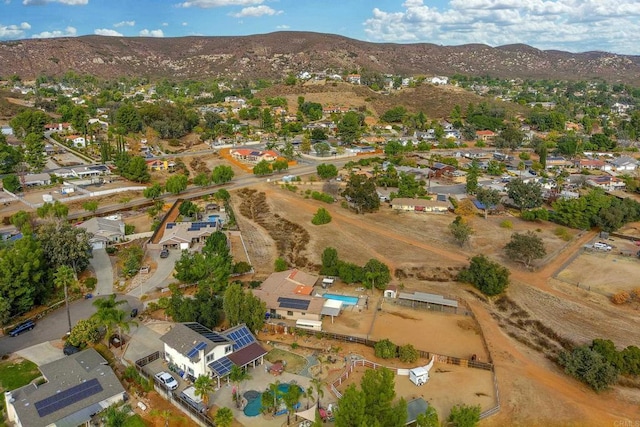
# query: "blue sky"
[571,25]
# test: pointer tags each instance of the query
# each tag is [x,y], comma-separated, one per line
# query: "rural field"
[423,257]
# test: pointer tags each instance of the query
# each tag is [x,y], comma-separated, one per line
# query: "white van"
[189,396]
[602,246]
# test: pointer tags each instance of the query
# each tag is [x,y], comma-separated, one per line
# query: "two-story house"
[197,350]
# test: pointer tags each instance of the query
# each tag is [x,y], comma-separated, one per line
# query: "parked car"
[190,397]
[167,380]
[602,246]
[70,349]
[164,253]
[134,312]
[25,326]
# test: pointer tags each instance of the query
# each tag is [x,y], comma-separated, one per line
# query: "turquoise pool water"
[347,300]
[214,218]
[254,401]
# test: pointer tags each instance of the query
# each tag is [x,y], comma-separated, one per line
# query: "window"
[228,349]
[289,313]
[304,314]
[210,358]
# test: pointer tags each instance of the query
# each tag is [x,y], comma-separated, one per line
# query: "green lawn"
[134,421]
[294,362]
[14,375]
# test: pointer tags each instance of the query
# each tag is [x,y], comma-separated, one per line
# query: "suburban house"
[57,126]
[606,182]
[557,162]
[253,156]
[78,386]
[591,164]
[288,295]
[354,78]
[485,135]
[183,235]
[160,165]
[36,179]
[103,231]
[76,140]
[83,171]
[440,169]
[197,350]
[624,164]
[439,80]
[420,205]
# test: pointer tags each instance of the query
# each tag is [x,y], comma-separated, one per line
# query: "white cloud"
[14,31]
[165,24]
[255,11]
[283,27]
[107,32]
[67,32]
[43,2]
[547,24]
[207,4]
[184,24]
[125,24]
[151,33]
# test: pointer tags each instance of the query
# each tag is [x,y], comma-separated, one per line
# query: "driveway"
[41,354]
[103,269]
[162,276]
[143,341]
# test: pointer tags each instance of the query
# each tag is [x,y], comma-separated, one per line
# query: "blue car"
[26,326]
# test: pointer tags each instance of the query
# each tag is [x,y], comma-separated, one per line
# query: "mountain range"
[277,54]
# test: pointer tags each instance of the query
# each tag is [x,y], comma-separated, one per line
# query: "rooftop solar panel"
[194,351]
[221,366]
[207,333]
[241,337]
[67,397]
[298,304]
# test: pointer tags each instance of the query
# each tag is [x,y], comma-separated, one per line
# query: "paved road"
[161,277]
[101,265]
[55,325]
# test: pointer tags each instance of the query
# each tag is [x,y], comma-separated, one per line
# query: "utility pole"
[66,302]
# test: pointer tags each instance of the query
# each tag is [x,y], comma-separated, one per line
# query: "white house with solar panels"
[78,386]
[198,350]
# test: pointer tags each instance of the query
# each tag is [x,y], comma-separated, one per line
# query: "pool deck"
[363,299]
[260,380]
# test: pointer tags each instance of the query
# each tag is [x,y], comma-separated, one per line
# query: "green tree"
[84,333]
[352,409]
[464,416]
[115,416]
[408,353]
[128,118]
[23,221]
[203,387]
[378,388]
[525,195]
[10,156]
[330,262]
[291,398]
[135,169]
[322,149]
[109,315]
[223,417]
[11,183]
[525,248]
[361,193]
[188,208]
[488,197]
[394,115]
[322,216]
[489,277]
[385,349]
[176,184]
[472,178]
[326,171]
[237,376]
[460,230]
[429,418]
[280,265]
[55,209]
[589,366]
[153,192]
[90,206]
[376,274]
[65,244]
[202,179]
[349,127]
[317,386]
[222,174]
[280,165]
[262,168]
[34,154]
[28,121]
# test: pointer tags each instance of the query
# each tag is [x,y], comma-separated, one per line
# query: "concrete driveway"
[161,277]
[103,269]
[41,354]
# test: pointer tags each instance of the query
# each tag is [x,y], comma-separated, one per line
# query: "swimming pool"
[254,401]
[346,300]
[214,218]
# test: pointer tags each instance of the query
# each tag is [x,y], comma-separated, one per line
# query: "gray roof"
[624,160]
[415,407]
[428,298]
[62,375]
[183,339]
[103,227]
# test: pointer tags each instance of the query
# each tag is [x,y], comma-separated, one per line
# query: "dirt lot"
[419,250]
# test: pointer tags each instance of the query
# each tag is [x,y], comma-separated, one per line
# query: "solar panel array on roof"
[194,351]
[196,226]
[205,332]
[67,397]
[170,225]
[221,366]
[298,304]
[241,337]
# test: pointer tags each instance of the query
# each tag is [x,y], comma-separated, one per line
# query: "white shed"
[419,375]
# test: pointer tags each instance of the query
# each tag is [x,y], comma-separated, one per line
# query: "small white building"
[420,375]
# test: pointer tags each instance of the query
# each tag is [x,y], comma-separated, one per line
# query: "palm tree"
[167,415]
[203,386]
[274,389]
[65,276]
[237,376]
[291,398]
[317,385]
[224,417]
[308,393]
[109,316]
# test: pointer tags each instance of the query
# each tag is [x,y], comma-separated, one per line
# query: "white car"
[167,380]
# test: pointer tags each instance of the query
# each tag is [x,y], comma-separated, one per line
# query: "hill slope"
[276,54]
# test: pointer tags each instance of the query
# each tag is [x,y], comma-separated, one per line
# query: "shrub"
[280,265]
[129,229]
[589,366]
[241,267]
[385,349]
[489,277]
[636,294]
[621,297]
[408,354]
[90,283]
[464,415]
[506,224]
[562,233]
[323,197]
[321,217]
[535,215]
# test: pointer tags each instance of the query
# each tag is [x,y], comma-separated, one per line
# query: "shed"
[391,291]
[415,407]
[419,375]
